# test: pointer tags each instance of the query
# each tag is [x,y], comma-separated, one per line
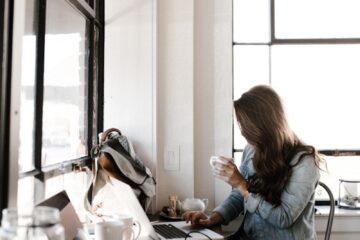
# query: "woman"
[276,181]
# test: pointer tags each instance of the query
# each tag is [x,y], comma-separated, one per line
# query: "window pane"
[319,84]
[251,21]
[338,168]
[237,158]
[65,84]
[27,104]
[251,67]
[324,19]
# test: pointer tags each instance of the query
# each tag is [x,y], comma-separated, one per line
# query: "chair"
[331,213]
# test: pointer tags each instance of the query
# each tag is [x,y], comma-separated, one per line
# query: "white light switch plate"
[172,158]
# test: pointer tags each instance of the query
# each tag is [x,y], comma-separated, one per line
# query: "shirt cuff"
[252,202]
[222,211]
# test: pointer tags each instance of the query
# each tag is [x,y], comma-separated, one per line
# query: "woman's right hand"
[200,218]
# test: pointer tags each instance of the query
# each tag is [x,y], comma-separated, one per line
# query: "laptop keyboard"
[169,231]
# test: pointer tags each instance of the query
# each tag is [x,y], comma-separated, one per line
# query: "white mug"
[128,221]
[112,230]
[216,160]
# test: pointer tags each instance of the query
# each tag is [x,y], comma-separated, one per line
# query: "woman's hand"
[200,218]
[228,172]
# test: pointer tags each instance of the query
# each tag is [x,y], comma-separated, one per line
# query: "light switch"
[172,158]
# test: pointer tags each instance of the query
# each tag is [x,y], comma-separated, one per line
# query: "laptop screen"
[68,216]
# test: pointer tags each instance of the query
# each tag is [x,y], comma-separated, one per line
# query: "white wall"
[345,224]
[129,69]
[204,97]
[186,104]
[213,93]
[175,61]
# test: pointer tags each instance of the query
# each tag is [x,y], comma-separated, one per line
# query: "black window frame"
[6,21]
[301,41]
[93,11]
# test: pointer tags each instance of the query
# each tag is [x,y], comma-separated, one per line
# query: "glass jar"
[39,223]
[349,194]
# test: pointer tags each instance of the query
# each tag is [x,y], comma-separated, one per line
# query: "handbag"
[114,159]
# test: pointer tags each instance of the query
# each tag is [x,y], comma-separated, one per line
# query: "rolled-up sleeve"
[233,205]
[294,199]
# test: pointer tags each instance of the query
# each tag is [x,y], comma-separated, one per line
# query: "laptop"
[126,200]
[69,219]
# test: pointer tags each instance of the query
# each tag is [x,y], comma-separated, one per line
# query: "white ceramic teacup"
[112,230]
[217,161]
[129,222]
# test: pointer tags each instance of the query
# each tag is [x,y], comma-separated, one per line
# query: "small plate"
[175,218]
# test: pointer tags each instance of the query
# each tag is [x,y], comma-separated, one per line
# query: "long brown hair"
[263,123]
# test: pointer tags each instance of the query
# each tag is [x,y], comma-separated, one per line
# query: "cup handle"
[206,202]
[130,229]
[139,229]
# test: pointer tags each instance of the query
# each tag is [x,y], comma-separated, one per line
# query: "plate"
[175,218]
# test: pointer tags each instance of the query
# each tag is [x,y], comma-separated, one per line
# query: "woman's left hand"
[228,172]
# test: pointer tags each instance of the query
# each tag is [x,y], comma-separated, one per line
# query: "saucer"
[175,218]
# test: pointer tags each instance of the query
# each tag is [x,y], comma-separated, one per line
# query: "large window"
[309,51]
[60,96]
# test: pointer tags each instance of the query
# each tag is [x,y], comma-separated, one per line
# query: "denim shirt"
[292,219]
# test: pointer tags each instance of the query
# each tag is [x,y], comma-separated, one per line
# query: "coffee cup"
[216,161]
[113,230]
[129,222]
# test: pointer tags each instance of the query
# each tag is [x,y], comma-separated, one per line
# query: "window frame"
[6,21]
[300,41]
[95,17]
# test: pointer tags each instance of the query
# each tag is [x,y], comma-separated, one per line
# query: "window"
[312,62]
[61,89]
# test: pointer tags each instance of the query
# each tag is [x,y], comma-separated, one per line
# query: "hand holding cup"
[217,162]
[226,170]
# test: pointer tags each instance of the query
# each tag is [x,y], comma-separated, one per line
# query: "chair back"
[332,209]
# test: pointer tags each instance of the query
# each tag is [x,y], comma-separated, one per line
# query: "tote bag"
[115,160]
